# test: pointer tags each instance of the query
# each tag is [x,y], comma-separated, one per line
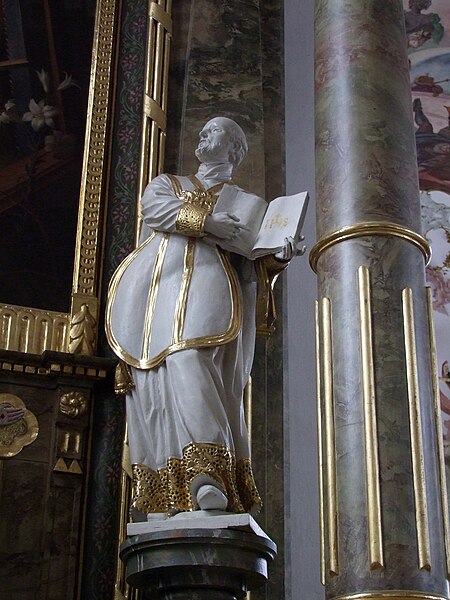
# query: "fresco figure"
[181,315]
[422,28]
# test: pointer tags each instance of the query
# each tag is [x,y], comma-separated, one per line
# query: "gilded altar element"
[73,404]
[82,332]
[18,425]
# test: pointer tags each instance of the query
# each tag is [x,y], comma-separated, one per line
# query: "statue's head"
[222,140]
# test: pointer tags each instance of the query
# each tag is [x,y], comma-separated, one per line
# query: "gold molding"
[319,444]
[33,330]
[330,436]
[159,14]
[154,114]
[420,492]
[391,595]
[368,229]
[438,425]
[370,422]
[86,266]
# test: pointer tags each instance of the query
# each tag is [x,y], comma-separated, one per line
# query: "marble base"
[199,519]
[182,558]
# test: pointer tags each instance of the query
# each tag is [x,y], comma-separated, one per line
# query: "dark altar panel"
[43,486]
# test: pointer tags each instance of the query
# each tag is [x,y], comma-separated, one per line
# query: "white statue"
[181,315]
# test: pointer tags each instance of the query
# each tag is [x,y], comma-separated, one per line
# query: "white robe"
[185,414]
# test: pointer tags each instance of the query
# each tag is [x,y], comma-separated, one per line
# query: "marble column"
[385,525]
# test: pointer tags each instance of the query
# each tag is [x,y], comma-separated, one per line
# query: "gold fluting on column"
[370,422]
[438,422]
[154,118]
[420,498]
[330,438]
[319,443]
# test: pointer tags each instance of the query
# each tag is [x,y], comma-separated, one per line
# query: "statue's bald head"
[235,136]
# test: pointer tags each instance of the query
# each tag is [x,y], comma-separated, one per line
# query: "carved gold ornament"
[18,425]
[82,332]
[73,404]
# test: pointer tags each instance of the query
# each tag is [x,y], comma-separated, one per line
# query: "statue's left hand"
[289,250]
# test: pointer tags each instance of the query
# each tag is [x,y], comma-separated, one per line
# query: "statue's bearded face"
[215,143]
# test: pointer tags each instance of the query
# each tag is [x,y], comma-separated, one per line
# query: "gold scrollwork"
[369,228]
[73,404]
[18,425]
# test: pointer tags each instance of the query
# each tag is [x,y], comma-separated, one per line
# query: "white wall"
[302,501]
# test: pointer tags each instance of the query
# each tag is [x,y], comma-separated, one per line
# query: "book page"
[283,219]
[250,209]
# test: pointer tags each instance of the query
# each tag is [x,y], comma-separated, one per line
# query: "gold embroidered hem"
[168,489]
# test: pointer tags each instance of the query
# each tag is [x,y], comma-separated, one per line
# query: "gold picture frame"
[32,330]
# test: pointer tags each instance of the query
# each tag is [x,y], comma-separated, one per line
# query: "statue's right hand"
[223,225]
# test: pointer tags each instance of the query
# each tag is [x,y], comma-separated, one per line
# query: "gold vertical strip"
[181,305]
[319,444]
[153,293]
[159,56]
[153,152]
[370,422]
[248,396]
[420,498]
[330,437]
[438,423]
[92,182]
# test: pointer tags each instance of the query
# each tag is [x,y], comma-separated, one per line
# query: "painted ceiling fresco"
[428,37]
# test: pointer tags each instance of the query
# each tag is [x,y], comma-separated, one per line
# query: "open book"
[266,225]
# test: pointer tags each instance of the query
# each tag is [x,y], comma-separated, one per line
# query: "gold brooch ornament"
[73,404]
[18,425]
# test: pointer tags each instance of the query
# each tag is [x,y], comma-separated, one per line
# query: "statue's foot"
[209,497]
[156,517]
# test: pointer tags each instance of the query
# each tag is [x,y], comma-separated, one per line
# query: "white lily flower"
[67,82]
[44,79]
[40,114]
[4,117]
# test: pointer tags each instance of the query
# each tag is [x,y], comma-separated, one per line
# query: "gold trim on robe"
[206,200]
[168,490]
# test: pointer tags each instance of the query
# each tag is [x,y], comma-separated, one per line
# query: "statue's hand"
[289,250]
[223,225]
[10,414]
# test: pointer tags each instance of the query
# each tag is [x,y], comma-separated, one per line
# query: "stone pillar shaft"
[383,510]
